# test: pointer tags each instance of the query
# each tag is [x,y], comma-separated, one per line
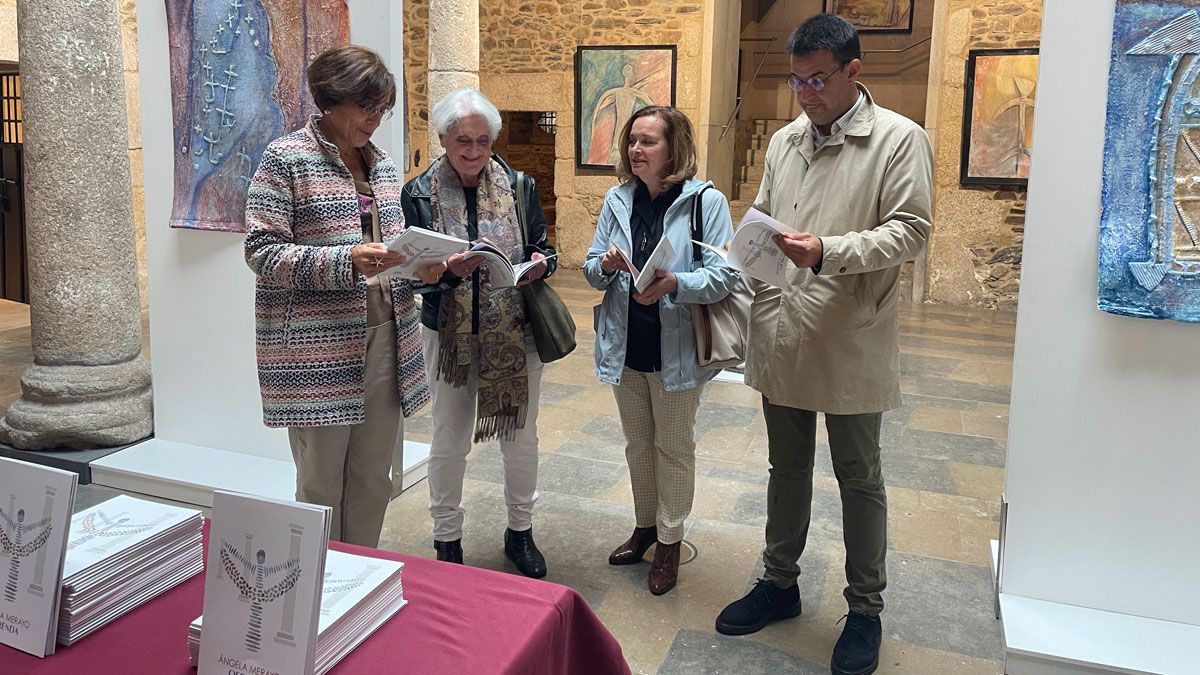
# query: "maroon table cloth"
[461,620]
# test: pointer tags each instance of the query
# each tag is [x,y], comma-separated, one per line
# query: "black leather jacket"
[417,213]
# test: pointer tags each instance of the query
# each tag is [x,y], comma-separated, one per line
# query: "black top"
[643,351]
[417,213]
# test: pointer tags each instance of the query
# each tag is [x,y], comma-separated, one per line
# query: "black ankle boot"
[857,651]
[523,553]
[449,551]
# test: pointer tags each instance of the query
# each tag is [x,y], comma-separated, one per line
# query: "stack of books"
[358,595]
[119,555]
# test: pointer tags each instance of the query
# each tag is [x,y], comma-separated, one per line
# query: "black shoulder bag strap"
[522,220]
[698,226]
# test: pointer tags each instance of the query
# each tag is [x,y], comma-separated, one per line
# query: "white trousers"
[453,429]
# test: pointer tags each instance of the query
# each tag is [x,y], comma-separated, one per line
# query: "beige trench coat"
[829,342]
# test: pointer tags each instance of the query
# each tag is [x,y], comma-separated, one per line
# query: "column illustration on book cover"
[19,540]
[1150,203]
[238,82]
[250,577]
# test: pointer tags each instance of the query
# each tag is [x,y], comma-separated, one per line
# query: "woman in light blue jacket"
[645,346]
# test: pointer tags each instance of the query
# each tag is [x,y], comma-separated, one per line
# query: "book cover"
[262,586]
[35,513]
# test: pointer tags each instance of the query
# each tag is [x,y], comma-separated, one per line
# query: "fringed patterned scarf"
[503,384]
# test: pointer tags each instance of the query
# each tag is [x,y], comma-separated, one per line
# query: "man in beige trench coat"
[855,180]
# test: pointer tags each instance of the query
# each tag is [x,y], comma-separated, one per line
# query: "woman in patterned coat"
[339,348]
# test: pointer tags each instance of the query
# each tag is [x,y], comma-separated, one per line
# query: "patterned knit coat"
[310,303]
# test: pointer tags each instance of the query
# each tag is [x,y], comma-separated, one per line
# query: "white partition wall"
[1103,526]
[207,412]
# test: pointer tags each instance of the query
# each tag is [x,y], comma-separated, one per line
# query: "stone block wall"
[897,79]
[526,63]
[974,256]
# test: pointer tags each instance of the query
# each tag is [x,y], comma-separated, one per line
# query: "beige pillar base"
[80,407]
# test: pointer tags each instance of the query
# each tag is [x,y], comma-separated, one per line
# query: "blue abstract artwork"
[1150,200]
[238,82]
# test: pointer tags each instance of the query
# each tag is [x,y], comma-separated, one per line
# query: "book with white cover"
[35,516]
[421,248]
[262,585]
[503,273]
[119,524]
[121,554]
[660,258]
[753,250]
[359,594]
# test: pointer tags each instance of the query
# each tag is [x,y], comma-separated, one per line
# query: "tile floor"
[944,455]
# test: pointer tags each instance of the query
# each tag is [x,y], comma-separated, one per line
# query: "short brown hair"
[681,141]
[351,74]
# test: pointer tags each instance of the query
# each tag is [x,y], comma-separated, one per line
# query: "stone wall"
[974,257]
[526,146]
[527,53]
[897,79]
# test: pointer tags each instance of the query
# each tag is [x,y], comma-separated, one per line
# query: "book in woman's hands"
[660,258]
[504,273]
[422,248]
[753,250]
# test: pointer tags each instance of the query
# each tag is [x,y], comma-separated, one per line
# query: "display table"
[458,620]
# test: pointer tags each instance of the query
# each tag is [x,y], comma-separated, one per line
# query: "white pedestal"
[190,473]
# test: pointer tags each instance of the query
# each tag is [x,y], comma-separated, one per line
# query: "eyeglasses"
[817,84]
[382,111]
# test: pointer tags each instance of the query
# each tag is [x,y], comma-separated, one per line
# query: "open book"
[422,248]
[753,251]
[504,273]
[659,259]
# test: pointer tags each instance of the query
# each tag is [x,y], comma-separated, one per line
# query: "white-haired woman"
[482,363]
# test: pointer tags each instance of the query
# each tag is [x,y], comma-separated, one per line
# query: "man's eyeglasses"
[383,111]
[817,84]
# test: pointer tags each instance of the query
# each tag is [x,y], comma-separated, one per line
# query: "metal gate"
[13,275]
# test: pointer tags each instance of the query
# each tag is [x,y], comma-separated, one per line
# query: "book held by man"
[753,250]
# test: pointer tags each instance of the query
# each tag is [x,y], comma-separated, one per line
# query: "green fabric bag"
[551,322]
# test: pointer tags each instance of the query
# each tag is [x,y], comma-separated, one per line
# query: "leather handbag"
[547,316]
[720,327]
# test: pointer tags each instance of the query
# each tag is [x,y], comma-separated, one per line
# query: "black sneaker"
[857,651]
[765,603]
[449,551]
[524,554]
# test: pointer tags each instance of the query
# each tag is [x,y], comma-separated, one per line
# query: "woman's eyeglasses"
[383,111]
[817,84]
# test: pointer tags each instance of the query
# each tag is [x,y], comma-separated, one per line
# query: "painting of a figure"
[1001,89]
[611,83]
[237,83]
[1150,199]
[874,16]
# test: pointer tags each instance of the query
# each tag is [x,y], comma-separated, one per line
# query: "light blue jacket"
[702,285]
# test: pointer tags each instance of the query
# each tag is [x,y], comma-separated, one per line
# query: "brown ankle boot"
[632,550]
[665,570]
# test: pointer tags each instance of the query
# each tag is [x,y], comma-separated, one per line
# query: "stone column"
[90,384]
[453,54]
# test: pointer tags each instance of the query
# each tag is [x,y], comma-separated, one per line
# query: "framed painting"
[1149,262]
[874,16]
[611,83]
[237,83]
[998,109]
